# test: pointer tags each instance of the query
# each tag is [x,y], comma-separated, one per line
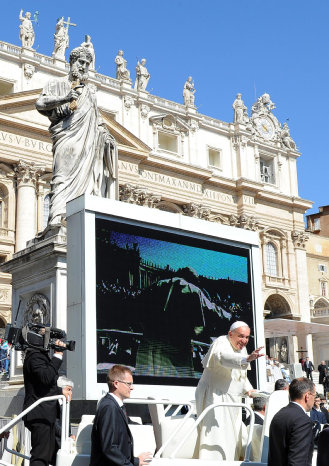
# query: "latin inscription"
[22,141]
[176,183]
[160,178]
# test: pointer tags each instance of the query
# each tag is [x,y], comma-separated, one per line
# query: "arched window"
[46,202]
[271,260]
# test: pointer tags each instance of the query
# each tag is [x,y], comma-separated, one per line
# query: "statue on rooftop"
[85,153]
[26,31]
[88,45]
[142,75]
[263,105]
[188,92]
[61,38]
[239,110]
[286,138]
[122,73]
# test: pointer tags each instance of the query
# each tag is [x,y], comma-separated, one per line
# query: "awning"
[285,327]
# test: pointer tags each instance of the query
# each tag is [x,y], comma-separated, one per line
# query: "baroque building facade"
[171,157]
[317,251]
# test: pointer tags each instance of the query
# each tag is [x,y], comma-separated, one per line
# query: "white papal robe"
[224,379]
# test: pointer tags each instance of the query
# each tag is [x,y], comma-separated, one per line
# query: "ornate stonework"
[172,123]
[28,70]
[299,239]
[128,102]
[145,110]
[138,195]
[196,210]
[244,221]
[28,173]
[37,309]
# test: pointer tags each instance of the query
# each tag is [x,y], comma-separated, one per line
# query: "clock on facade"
[265,127]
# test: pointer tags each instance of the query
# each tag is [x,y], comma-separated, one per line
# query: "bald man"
[224,380]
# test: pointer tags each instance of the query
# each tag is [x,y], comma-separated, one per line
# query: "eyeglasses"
[313,394]
[129,384]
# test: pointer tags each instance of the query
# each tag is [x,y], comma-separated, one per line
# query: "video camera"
[38,336]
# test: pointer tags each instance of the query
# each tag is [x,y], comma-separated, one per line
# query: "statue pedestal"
[27,51]
[38,269]
[59,62]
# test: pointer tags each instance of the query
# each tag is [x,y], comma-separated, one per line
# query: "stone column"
[299,239]
[26,227]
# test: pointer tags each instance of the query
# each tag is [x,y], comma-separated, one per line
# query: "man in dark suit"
[309,368]
[259,405]
[323,447]
[322,371]
[291,436]
[40,380]
[111,439]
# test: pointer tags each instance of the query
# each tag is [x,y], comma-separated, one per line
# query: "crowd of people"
[294,430]
[4,356]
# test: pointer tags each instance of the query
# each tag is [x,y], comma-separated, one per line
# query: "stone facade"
[171,158]
[317,251]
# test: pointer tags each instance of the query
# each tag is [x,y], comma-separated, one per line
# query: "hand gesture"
[255,354]
[74,93]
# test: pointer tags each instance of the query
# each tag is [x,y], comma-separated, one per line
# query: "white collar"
[117,399]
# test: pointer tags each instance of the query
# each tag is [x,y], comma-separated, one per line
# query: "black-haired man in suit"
[111,439]
[291,436]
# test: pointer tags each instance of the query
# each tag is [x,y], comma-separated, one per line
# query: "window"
[46,202]
[214,157]
[271,260]
[267,171]
[168,142]
[324,289]
[322,268]
[316,224]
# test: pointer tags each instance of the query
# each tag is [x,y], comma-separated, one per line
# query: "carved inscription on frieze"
[27,143]
[160,178]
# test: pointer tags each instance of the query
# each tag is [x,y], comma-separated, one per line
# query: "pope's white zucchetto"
[238,324]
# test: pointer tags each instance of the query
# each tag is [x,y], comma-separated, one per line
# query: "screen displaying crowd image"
[162,298]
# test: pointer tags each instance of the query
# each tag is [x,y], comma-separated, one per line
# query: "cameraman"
[40,380]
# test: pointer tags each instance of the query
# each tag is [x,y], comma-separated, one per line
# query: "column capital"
[27,173]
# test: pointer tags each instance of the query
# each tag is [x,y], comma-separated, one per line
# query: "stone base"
[11,399]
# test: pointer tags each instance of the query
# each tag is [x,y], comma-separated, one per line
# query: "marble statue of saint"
[142,75]
[122,73]
[26,31]
[84,152]
[88,45]
[239,109]
[286,138]
[188,92]
[61,38]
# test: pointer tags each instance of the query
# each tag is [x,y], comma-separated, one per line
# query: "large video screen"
[162,298]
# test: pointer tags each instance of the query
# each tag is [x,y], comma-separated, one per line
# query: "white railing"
[17,419]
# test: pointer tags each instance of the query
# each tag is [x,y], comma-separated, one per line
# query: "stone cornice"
[277,198]
[19,99]
[18,123]
[316,256]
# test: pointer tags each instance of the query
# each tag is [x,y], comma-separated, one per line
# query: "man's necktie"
[124,409]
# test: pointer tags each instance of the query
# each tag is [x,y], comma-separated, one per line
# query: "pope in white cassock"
[224,380]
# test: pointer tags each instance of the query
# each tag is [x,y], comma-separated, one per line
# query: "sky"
[276,46]
[205,262]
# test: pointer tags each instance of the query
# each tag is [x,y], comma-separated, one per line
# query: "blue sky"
[211,264]
[275,46]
